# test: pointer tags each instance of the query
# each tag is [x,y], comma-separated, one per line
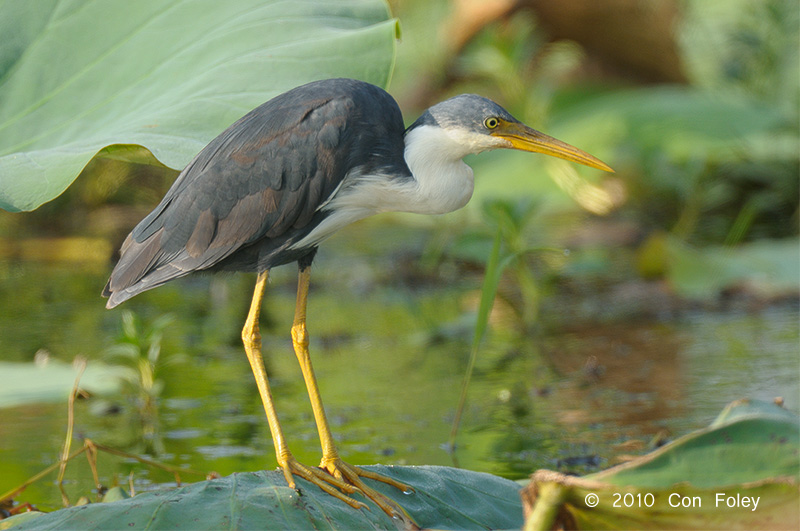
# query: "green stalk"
[488,291]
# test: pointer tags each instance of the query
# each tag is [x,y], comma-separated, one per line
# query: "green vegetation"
[137,355]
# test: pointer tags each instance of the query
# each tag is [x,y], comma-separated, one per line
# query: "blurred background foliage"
[694,103]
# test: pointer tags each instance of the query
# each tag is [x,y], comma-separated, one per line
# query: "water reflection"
[390,362]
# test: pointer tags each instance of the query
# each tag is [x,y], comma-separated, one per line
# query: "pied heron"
[275,184]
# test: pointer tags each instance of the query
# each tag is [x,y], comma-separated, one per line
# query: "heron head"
[480,124]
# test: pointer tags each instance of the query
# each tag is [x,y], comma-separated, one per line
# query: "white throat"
[442,181]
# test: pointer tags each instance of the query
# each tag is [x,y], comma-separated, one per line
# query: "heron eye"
[491,122]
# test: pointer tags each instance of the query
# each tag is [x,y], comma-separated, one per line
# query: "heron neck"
[442,181]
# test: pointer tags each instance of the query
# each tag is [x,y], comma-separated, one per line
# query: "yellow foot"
[322,479]
[334,474]
[352,476]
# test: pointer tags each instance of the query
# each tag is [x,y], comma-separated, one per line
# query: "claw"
[323,480]
[339,479]
[352,475]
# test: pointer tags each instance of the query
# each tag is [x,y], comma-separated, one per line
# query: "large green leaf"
[78,77]
[444,498]
[742,472]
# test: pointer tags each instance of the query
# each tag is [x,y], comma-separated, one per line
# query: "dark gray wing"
[264,177]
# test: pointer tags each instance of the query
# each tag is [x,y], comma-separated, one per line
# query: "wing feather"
[265,177]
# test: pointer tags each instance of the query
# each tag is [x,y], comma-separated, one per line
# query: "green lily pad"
[25,383]
[742,472]
[83,77]
[444,498]
[19,519]
[770,268]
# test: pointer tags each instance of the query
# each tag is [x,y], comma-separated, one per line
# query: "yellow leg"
[330,457]
[251,336]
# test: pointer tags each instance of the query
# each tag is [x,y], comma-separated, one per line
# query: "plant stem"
[488,291]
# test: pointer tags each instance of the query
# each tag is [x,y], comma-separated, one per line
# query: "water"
[389,348]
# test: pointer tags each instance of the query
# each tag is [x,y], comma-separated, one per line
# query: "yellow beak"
[524,138]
